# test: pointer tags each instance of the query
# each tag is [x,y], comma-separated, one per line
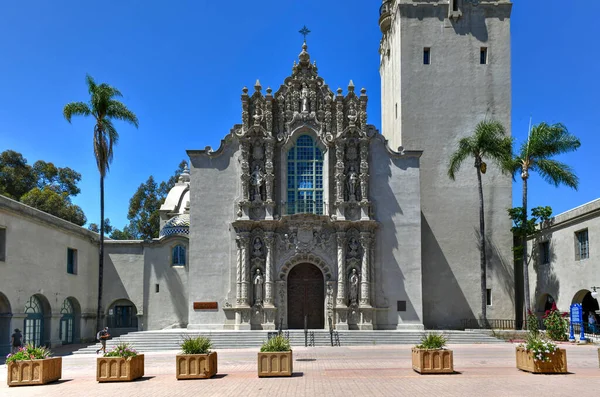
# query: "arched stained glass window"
[178,256]
[305,177]
[33,326]
[66,322]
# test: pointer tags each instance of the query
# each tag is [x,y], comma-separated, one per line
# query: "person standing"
[592,322]
[102,336]
[16,341]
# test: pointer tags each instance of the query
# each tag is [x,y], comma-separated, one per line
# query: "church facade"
[307,215]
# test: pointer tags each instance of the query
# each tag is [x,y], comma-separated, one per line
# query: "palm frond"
[101,151]
[548,140]
[76,109]
[119,111]
[90,83]
[556,173]
[465,149]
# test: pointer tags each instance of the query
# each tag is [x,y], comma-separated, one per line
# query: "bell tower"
[445,66]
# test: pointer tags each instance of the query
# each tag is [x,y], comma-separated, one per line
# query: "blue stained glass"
[305,177]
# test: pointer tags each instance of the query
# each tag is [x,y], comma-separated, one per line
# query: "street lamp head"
[594,293]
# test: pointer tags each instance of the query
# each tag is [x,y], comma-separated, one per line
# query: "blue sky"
[181,66]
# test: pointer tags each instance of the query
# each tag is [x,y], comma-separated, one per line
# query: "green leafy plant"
[432,341]
[543,350]
[277,344]
[556,324]
[195,345]
[29,352]
[122,350]
[532,324]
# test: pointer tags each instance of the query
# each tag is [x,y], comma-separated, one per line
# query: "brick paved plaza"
[487,370]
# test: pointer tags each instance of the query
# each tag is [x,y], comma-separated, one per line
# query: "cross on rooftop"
[304,32]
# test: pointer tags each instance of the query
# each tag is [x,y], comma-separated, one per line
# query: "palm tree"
[491,142]
[544,142]
[104,108]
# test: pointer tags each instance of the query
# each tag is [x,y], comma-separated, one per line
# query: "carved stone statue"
[352,113]
[257,179]
[353,246]
[258,282]
[257,247]
[352,182]
[353,288]
[304,98]
[258,115]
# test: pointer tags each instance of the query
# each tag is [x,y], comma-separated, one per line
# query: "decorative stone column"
[243,243]
[364,170]
[365,290]
[269,269]
[341,263]
[245,165]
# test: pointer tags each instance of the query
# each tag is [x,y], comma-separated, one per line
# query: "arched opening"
[588,304]
[69,321]
[306,297]
[5,331]
[122,317]
[544,303]
[38,313]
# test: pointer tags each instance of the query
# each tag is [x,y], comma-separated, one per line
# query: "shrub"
[556,324]
[532,323]
[122,350]
[195,345]
[432,341]
[29,352]
[277,344]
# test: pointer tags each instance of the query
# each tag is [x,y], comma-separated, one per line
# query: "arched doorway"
[588,303]
[545,302]
[34,330]
[306,297]
[69,321]
[122,317]
[5,331]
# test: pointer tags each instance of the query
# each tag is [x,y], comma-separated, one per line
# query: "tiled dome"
[178,225]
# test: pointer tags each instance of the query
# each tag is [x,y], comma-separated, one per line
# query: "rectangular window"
[426,56]
[157,288]
[483,55]
[401,306]
[488,297]
[71,261]
[2,244]
[454,5]
[545,252]
[582,245]
[396,111]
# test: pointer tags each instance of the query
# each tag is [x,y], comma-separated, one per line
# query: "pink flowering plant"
[556,324]
[29,352]
[122,350]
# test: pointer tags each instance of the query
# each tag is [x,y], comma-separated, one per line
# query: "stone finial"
[185,174]
[269,90]
[363,92]
[304,56]
[339,91]
[351,86]
[245,90]
[257,86]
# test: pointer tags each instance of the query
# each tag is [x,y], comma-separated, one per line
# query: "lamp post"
[594,293]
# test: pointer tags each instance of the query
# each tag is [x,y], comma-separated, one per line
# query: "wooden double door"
[306,297]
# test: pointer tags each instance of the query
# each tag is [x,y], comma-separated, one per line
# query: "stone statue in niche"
[352,113]
[304,97]
[353,288]
[258,115]
[353,246]
[257,179]
[257,247]
[258,282]
[352,184]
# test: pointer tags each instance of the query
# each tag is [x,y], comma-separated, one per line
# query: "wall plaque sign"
[205,306]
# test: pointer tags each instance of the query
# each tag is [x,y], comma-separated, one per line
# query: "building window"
[454,5]
[305,178]
[426,56]
[2,244]
[488,297]
[157,288]
[483,56]
[582,245]
[178,256]
[396,111]
[71,261]
[545,252]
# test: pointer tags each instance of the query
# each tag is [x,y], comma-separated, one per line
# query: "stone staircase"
[147,341]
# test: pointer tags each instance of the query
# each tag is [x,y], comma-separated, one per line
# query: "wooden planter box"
[558,365]
[426,361]
[119,369]
[34,372]
[275,364]
[196,366]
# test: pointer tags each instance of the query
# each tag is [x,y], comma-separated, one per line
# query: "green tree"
[104,108]
[539,216]
[489,141]
[124,234]
[535,155]
[96,229]
[59,179]
[54,203]
[16,176]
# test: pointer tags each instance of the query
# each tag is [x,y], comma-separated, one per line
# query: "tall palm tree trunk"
[482,253]
[524,245]
[101,256]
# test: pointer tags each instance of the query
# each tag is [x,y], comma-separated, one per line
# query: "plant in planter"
[431,355]
[32,365]
[275,357]
[538,355]
[121,364]
[556,324]
[196,360]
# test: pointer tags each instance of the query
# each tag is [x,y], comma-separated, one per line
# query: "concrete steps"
[147,341]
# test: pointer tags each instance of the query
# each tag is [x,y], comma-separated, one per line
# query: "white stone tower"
[445,66]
